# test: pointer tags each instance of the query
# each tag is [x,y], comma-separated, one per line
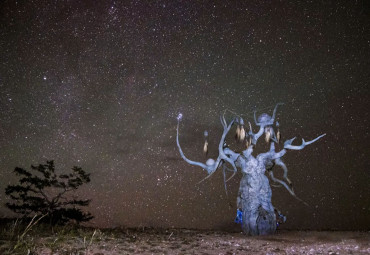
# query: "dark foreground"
[72,240]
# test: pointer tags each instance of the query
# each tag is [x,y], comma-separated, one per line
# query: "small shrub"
[43,191]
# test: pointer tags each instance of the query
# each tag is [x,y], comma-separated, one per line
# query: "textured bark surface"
[254,199]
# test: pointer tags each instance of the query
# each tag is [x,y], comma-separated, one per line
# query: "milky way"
[99,84]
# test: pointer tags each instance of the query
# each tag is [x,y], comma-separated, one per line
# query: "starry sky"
[99,84]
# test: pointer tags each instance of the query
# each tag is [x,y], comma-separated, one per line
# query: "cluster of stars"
[99,85]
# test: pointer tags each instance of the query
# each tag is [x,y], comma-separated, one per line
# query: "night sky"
[99,84]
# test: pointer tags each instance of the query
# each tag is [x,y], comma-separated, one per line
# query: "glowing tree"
[255,210]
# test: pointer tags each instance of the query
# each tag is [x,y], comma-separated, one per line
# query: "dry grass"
[41,239]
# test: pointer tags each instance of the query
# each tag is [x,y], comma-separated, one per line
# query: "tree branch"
[288,143]
[211,164]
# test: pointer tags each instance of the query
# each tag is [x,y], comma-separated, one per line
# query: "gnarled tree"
[254,198]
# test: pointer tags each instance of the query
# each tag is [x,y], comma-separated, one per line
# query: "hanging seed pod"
[278,135]
[242,134]
[205,148]
[241,130]
[237,134]
[267,134]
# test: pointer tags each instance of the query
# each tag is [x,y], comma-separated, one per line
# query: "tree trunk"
[254,199]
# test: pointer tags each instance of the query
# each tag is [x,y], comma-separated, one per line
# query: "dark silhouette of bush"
[42,191]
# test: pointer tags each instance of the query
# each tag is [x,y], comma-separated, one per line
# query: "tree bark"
[254,199]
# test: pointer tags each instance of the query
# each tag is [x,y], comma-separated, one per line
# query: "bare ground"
[182,241]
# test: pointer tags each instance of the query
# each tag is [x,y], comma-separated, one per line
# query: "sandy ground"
[151,241]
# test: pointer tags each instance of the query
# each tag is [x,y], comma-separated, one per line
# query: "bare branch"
[271,155]
[265,120]
[257,135]
[224,168]
[195,163]
[269,120]
[280,163]
[288,143]
[286,187]
[274,114]
[211,164]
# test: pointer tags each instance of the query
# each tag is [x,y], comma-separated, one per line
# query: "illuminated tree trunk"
[254,200]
